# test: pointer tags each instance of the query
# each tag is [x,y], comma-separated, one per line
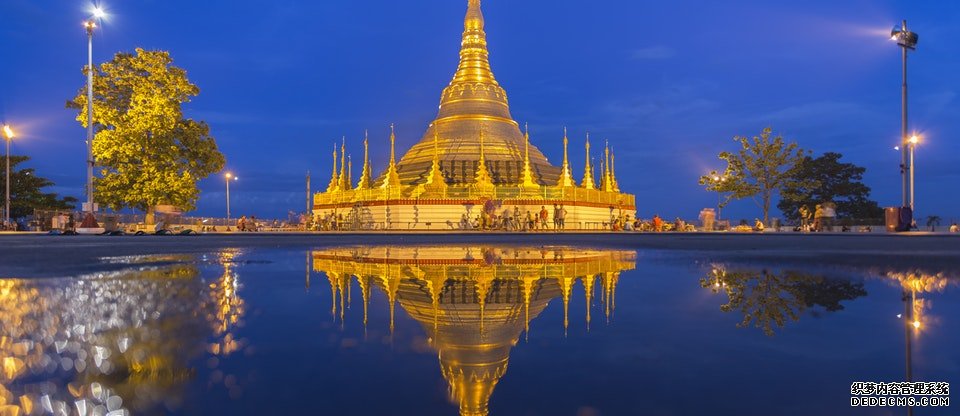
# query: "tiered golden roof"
[473,302]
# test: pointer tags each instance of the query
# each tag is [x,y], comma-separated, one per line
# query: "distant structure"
[472,159]
[474,303]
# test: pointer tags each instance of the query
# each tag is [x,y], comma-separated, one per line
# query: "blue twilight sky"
[668,83]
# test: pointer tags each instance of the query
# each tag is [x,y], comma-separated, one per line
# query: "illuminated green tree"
[148,154]
[759,169]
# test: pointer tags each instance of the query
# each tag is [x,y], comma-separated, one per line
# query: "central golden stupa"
[472,160]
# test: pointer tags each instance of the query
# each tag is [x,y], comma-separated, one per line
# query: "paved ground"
[41,255]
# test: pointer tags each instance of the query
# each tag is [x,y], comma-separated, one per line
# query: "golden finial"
[607,183]
[350,171]
[588,170]
[436,180]
[566,179]
[588,281]
[613,173]
[334,179]
[482,179]
[527,179]
[365,175]
[344,185]
[391,177]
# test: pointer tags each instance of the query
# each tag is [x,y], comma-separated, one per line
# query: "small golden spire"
[605,184]
[436,180]
[482,180]
[334,179]
[613,173]
[365,292]
[365,175]
[349,171]
[527,180]
[566,179]
[344,184]
[588,281]
[391,178]
[588,170]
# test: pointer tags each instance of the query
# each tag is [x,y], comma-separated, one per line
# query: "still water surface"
[447,330]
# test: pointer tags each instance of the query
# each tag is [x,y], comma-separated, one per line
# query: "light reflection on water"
[176,333]
[111,343]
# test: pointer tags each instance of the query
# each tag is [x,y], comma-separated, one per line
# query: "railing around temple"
[572,194]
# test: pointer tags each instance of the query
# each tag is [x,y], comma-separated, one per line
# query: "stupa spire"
[566,178]
[391,178]
[588,170]
[436,180]
[605,184]
[474,57]
[482,178]
[365,176]
[349,171]
[613,173]
[343,184]
[527,180]
[334,179]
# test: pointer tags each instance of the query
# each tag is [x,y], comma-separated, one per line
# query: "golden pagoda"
[472,152]
[473,302]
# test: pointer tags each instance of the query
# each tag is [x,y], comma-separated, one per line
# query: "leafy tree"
[26,190]
[815,181]
[148,153]
[933,221]
[761,168]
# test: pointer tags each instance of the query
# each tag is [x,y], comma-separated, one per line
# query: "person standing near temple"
[562,215]
[543,217]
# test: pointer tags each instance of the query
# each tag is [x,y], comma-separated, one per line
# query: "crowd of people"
[516,221]
[820,219]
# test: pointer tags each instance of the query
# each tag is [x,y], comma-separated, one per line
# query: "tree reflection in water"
[768,299]
[112,342]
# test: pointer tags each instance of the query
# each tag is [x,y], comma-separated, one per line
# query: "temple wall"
[423,215]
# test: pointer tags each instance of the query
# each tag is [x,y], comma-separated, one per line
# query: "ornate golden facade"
[473,302]
[473,151]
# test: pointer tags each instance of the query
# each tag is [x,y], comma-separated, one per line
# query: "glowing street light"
[907,41]
[8,135]
[719,179]
[229,177]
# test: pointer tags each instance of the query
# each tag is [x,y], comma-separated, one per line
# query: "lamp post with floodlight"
[90,25]
[8,136]
[907,41]
[912,142]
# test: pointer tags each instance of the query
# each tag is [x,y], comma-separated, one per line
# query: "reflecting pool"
[471,330]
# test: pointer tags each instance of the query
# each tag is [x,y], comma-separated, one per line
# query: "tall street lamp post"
[913,141]
[907,41]
[8,135]
[90,25]
[229,177]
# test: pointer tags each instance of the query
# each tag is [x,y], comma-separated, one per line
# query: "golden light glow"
[8,132]
[914,139]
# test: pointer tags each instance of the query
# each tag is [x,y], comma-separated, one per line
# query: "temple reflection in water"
[473,302]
